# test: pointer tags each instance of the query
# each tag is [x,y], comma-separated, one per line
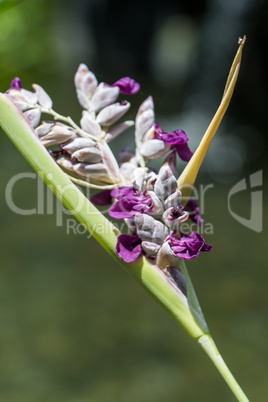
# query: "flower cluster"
[149,202]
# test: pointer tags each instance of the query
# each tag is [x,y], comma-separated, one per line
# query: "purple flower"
[127,86]
[128,247]
[16,84]
[177,139]
[129,202]
[102,198]
[194,212]
[187,246]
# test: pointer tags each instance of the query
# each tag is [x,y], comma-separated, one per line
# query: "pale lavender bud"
[65,164]
[166,183]
[118,129]
[78,143]
[112,113]
[154,149]
[173,199]
[127,170]
[89,155]
[150,248]
[33,116]
[146,105]
[150,180]
[165,257]
[58,133]
[42,97]
[89,125]
[138,177]
[144,122]
[85,81]
[174,216]
[104,96]
[44,128]
[88,170]
[30,97]
[149,229]
[157,209]
[110,162]
[17,97]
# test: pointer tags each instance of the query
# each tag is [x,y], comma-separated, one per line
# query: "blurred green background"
[73,326]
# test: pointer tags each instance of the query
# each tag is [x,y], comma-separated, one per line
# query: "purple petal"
[188,247]
[127,86]
[16,84]
[121,192]
[184,152]
[128,247]
[102,198]
[121,209]
[194,212]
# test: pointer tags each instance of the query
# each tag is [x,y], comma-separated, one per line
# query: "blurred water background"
[73,326]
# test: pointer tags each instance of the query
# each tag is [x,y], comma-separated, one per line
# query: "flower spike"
[187,178]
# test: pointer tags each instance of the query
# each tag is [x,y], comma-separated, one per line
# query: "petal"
[127,86]
[184,152]
[128,247]
[102,198]
[16,84]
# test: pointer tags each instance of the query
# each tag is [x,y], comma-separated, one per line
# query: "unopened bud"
[112,113]
[150,248]
[144,122]
[154,149]
[42,97]
[78,143]
[103,96]
[87,170]
[149,229]
[86,83]
[89,155]
[44,128]
[58,133]
[174,199]
[30,97]
[89,125]
[166,183]
[33,116]
[157,209]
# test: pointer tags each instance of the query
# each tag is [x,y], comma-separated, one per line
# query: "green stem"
[210,348]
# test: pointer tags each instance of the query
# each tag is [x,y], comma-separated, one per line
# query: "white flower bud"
[88,170]
[89,155]
[154,149]
[42,97]
[149,229]
[85,81]
[33,116]
[30,97]
[158,208]
[78,143]
[144,122]
[103,96]
[17,97]
[150,248]
[173,199]
[89,125]
[44,128]
[166,183]
[112,113]
[58,133]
